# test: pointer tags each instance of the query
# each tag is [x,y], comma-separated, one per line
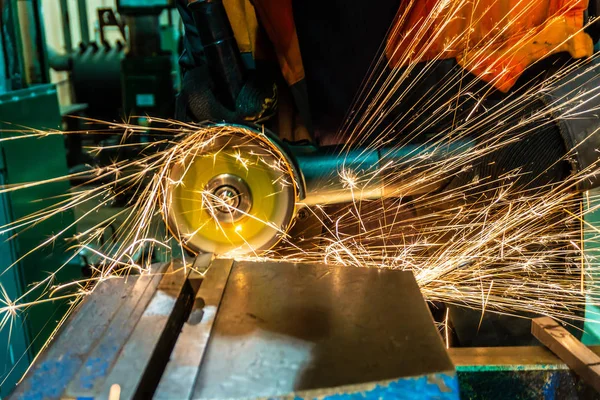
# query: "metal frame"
[13,47]
[524,372]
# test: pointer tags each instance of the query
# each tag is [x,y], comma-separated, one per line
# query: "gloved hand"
[197,100]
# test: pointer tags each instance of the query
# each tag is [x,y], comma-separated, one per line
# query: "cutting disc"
[236,196]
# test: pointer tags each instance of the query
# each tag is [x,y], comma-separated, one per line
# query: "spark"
[490,243]
[348,178]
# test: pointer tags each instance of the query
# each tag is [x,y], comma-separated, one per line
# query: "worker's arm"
[196,101]
[204,77]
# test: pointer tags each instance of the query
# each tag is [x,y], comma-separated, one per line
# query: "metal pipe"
[11,35]
[66,25]
[32,41]
[59,62]
[329,174]
[83,21]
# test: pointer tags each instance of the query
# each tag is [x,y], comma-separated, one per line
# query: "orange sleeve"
[496,40]
[277,17]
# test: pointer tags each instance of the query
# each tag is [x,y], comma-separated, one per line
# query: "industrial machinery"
[135,75]
[146,69]
[225,206]
[218,328]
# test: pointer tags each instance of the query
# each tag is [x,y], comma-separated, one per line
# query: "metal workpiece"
[58,365]
[179,378]
[107,349]
[284,328]
[333,175]
[144,356]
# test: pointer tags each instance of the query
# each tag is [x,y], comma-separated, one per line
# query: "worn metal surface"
[146,353]
[526,372]
[60,362]
[434,386]
[575,354]
[283,328]
[177,382]
[100,360]
[84,350]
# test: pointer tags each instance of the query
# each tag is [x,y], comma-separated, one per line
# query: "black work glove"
[197,101]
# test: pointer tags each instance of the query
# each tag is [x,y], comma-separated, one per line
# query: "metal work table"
[248,329]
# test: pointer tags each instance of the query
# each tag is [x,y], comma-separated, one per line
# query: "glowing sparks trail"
[497,242]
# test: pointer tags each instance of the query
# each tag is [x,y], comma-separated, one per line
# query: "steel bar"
[100,360]
[55,367]
[142,359]
[180,375]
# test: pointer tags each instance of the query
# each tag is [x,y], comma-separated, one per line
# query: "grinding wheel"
[236,196]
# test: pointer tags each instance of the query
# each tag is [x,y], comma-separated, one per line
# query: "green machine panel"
[30,160]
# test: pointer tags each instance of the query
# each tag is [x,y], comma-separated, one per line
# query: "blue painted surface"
[94,368]
[549,389]
[438,386]
[51,378]
[98,367]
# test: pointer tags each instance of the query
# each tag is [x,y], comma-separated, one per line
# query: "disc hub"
[228,198]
